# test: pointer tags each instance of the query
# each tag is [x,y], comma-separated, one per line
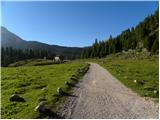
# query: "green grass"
[28,81]
[33,62]
[144,70]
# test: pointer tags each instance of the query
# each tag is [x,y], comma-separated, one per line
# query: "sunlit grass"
[28,82]
[143,71]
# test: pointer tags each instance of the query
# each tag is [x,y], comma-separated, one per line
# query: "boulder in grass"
[43,89]
[42,98]
[40,108]
[73,78]
[140,82]
[146,94]
[135,81]
[155,92]
[78,70]
[59,90]
[17,98]
[67,83]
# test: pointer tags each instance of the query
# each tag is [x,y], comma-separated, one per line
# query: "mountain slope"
[9,39]
[143,37]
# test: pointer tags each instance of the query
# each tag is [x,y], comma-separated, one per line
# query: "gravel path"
[100,95]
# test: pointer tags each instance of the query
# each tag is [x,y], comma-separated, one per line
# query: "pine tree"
[144,35]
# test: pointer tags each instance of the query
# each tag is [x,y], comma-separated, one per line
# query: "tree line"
[10,55]
[144,35]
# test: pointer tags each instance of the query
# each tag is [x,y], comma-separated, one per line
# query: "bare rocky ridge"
[100,95]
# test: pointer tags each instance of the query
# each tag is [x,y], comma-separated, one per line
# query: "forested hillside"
[144,36]
[10,55]
[14,48]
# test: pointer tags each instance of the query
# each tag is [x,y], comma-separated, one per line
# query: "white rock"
[40,107]
[44,89]
[59,90]
[66,82]
[135,81]
[155,91]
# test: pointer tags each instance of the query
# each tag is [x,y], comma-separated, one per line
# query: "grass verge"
[33,62]
[141,75]
[34,83]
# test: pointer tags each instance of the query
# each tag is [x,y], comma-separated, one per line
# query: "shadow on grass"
[73,85]
[58,96]
[70,95]
[49,114]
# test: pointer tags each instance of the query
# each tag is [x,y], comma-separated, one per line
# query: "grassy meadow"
[33,62]
[140,73]
[28,82]
[38,81]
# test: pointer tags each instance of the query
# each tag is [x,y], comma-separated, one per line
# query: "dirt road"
[100,95]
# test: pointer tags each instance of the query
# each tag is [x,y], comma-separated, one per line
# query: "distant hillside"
[145,36]
[9,39]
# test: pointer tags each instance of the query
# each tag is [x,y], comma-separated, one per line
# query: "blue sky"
[73,23]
